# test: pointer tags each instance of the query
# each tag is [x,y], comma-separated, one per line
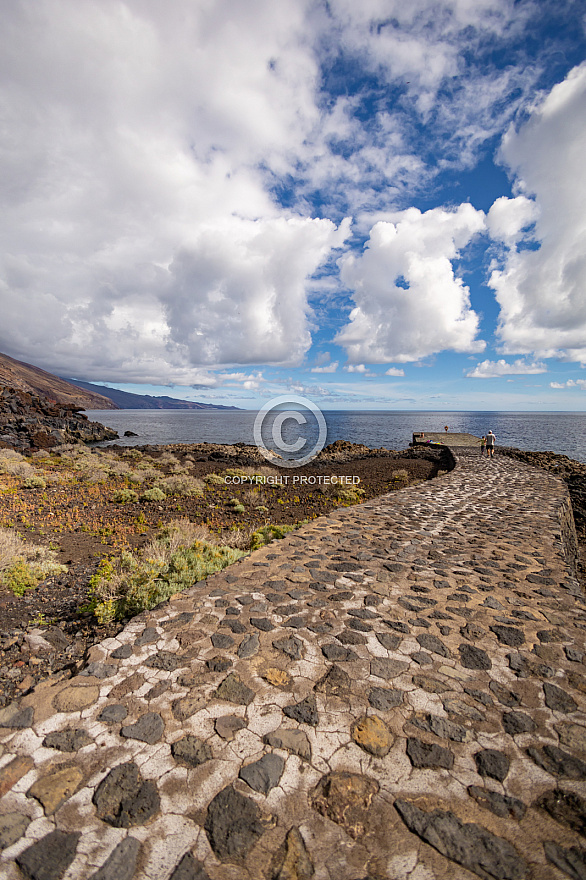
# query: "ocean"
[563,432]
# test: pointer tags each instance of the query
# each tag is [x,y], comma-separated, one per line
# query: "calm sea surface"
[563,433]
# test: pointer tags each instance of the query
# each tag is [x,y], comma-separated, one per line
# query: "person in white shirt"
[490,441]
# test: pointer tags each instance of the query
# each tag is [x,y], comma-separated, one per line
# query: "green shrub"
[347,495]
[23,566]
[181,484]
[125,496]
[20,577]
[136,477]
[154,494]
[214,480]
[268,533]
[136,582]
[236,505]
[34,483]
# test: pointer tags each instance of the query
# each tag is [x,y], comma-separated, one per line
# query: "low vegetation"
[24,566]
[124,519]
[183,554]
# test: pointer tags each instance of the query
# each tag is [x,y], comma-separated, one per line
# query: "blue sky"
[375,205]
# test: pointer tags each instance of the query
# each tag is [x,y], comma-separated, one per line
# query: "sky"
[376,205]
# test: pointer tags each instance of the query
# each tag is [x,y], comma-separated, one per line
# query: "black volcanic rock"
[29,422]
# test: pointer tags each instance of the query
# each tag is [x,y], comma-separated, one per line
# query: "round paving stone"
[384,699]
[264,774]
[233,824]
[433,644]
[248,646]
[372,734]
[474,658]
[113,713]
[121,863]
[149,729]
[123,798]
[557,762]
[291,739]
[55,788]
[12,827]
[69,740]
[490,762]
[73,699]
[387,668]
[468,845]
[499,804]
[558,700]
[346,799]
[49,857]
[424,755]
[518,722]
[233,690]
[305,712]
[566,807]
[191,751]
[508,635]
[228,726]
[121,653]
[189,869]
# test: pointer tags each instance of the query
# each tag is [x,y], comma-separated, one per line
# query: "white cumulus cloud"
[237,293]
[571,383]
[494,369]
[362,369]
[140,238]
[507,218]
[409,301]
[330,368]
[542,292]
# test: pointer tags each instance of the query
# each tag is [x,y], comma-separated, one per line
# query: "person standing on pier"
[490,441]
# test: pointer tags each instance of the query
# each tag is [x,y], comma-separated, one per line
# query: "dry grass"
[239,538]
[253,471]
[180,484]
[23,566]
[12,547]
[14,464]
[183,554]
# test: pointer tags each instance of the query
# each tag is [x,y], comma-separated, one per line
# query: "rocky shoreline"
[29,422]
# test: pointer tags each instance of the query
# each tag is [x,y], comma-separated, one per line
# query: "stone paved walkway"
[396,691]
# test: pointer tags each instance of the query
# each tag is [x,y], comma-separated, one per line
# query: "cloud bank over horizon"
[231,195]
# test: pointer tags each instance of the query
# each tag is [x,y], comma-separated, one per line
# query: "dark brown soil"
[85,523]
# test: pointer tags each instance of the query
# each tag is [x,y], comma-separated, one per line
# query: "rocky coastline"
[29,422]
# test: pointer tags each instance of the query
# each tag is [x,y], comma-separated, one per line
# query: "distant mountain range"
[25,377]
[126,400]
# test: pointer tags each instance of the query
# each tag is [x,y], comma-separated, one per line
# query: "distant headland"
[85,395]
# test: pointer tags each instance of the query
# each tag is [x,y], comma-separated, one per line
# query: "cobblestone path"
[396,691]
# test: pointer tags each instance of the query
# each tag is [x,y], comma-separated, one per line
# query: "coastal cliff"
[29,422]
[26,377]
